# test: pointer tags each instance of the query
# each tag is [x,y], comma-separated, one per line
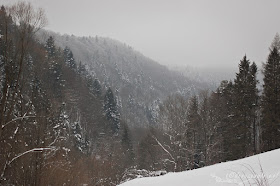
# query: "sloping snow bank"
[263,167]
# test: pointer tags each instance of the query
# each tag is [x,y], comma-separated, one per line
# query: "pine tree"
[275,43]
[81,69]
[127,145]
[55,67]
[207,129]
[69,58]
[111,110]
[194,134]
[224,118]
[97,87]
[50,47]
[254,100]
[219,108]
[271,102]
[244,99]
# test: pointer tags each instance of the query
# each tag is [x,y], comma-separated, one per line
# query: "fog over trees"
[92,110]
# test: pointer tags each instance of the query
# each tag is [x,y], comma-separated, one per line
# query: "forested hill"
[54,122]
[92,111]
[138,82]
[65,114]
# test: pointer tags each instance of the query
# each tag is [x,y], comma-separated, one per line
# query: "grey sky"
[189,32]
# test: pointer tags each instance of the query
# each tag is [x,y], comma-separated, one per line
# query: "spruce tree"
[97,89]
[111,110]
[254,100]
[223,118]
[271,102]
[69,58]
[55,67]
[81,69]
[50,47]
[275,43]
[238,122]
[244,102]
[194,133]
[127,145]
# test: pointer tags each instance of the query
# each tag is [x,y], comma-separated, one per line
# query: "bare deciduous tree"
[28,22]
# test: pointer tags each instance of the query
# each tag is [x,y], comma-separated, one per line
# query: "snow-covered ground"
[247,171]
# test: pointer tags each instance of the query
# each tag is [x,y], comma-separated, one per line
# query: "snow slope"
[240,172]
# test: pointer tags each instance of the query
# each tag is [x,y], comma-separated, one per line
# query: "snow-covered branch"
[163,148]
[18,118]
[32,150]
[8,163]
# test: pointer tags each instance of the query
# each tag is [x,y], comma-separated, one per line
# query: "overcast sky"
[186,32]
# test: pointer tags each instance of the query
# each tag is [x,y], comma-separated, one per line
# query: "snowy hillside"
[247,171]
[138,82]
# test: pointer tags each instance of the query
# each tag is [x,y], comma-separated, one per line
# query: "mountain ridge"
[139,82]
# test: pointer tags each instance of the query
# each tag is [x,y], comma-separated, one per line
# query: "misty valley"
[92,110]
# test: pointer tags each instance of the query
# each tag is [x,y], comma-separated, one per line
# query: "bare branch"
[29,20]
[32,150]
[18,118]
[22,154]
[173,159]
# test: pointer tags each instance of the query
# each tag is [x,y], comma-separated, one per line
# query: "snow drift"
[262,169]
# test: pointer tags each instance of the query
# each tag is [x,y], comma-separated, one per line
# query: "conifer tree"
[271,102]
[97,87]
[55,67]
[69,58]
[275,43]
[81,69]
[194,133]
[111,110]
[254,100]
[50,47]
[127,145]
[244,99]
[223,113]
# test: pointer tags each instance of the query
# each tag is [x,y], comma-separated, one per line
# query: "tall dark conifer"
[55,67]
[271,102]
[245,96]
[194,133]
[223,116]
[111,110]
[254,107]
[239,125]
[127,145]
[69,58]
[50,47]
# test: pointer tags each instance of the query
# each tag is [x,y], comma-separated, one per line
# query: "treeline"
[235,121]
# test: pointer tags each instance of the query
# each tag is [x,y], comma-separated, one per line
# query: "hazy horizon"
[181,33]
